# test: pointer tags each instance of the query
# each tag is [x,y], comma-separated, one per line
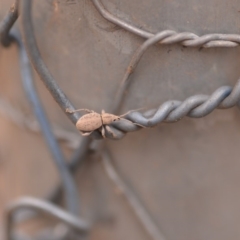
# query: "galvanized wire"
[38,63]
[187,39]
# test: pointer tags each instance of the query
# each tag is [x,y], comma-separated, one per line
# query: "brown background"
[187,173]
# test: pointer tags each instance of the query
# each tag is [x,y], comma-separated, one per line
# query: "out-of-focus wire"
[43,207]
[71,195]
[144,217]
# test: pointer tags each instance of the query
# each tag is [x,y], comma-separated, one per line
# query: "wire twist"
[187,39]
[172,111]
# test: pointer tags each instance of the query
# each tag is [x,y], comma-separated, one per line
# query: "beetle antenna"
[78,110]
[134,110]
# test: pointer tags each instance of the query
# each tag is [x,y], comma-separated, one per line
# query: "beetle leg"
[110,131]
[103,131]
[85,133]
[134,110]
[78,110]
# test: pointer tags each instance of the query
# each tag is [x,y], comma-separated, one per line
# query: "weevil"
[93,121]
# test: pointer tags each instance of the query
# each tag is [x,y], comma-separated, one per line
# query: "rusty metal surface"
[184,173]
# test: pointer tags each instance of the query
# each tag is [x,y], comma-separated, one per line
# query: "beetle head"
[108,118]
[116,118]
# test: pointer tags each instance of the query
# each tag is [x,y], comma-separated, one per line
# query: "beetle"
[93,120]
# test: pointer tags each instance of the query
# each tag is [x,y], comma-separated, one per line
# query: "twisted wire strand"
[171,111]
[43,207]
[187,39]
[7,23]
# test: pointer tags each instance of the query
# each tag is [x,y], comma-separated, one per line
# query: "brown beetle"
[92,121]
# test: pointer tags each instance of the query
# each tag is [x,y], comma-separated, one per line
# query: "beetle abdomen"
[89,122]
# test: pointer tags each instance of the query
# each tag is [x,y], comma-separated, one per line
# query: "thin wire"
[77,158]
[139,209]
[134,62]
[40,67]
[71,139]
[43,207]
[70,189]
[7,23]
[187,39]
[38,63]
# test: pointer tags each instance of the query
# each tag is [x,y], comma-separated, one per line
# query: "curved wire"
[40,67]
[187,39]
[70,189]
[134,62]
[43,207]
[38,63]
[7,23]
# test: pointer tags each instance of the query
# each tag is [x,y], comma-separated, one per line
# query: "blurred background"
[185,175]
